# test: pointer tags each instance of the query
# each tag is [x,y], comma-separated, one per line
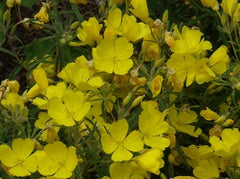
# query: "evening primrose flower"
[207,169]
[44,121]
[230,7]
[194,154]
[19,159]
[113,56]
[42,15]
[72,107]
[122,171]
[211,3]
[119,144]
[156,85]
[79,74]
[126,26]
[228,144]
[219,61]
[90,32]
[13,102]
[182,65]
[153,126]
[190,41]
[140,10]
[40,77]
[182,120]
[151,160]
[52,91]
[57,160]
[208,114]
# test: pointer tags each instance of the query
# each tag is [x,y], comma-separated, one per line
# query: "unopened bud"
[228,122]
[7,16]
[18,2]
[63,41]
[236,70]
[216,131]
[37,145]
[26,23]
[165,16]
[237,86]
[168,37]
[127,99]
[74,25]
[158,63]
[137,101]
[221,119]
[10,3]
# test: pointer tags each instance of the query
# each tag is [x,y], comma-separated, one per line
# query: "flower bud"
[18,2]
[127,99]
[165,16]
[7,16]
[10,3]
[137,101]
[74,25]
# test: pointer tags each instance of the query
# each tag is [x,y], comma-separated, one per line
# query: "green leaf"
[27,3]
[40,47]
[77,13]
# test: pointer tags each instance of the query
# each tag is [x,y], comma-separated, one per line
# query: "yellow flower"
[123,171]
[228,144]
[182,121]
[207,169]
[78,1]
[219,61]
[156,85]
[13,102]
[44,121]
[132,30]
[209,115]
[182,66]
[79,75]
[119,144]
[113,56]
[52,91]
[57,160]
[194,154]
[19,159]
[72,107]
[120,170]
[211,3]
[90,32]
[190,41]
[40,77]
[230,7]
[140,9]
[125,26]
[151,160]
[153,126]
[200,72]
[42,15]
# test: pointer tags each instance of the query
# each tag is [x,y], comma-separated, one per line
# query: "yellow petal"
[119,129]
[134,141]
[22,147]
[7,156]
[121,154]
[121,67]
[19,171]
[108,143]
[120,170]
